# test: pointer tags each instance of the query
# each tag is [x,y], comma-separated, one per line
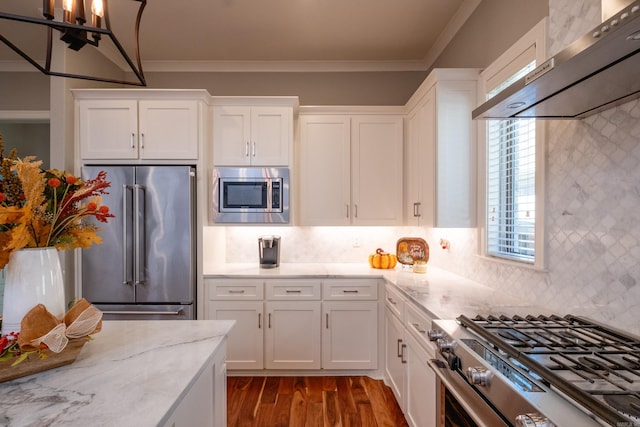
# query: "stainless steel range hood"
[598,71]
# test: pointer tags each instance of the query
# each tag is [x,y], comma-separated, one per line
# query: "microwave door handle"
[269,196]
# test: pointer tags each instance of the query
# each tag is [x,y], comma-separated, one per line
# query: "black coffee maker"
[269,251]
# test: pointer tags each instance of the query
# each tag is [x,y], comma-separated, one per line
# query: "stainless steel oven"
[482,384]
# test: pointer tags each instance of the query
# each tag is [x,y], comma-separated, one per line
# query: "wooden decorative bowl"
[34,363]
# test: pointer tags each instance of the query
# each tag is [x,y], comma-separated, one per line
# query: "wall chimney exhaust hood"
[598,71]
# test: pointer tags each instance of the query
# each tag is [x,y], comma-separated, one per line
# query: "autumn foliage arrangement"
[41,208]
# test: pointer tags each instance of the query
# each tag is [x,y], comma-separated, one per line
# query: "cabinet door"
[350,335]
[394,367]
[108,129]
[168,129]
[420,163]
[245,345]
[325,191]
[231,136]
[420,407]
[292,339]
[456,154]
[271,136]
[376,170]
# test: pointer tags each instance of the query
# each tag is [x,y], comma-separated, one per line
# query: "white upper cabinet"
[325,170]
[350,169]
[245,135]
[440,173]
[137,126]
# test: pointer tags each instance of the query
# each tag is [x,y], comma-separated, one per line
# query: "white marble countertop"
[133,373]
[442,294]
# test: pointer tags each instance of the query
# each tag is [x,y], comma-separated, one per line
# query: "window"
[513,165]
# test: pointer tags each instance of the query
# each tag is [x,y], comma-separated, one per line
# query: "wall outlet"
[356,242]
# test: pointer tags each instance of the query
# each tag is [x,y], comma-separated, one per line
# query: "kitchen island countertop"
[440,293]
[133,373]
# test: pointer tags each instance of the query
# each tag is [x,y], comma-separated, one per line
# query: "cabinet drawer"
[365,289]
[394,300]
[236,289]
[292,289]
[418,323]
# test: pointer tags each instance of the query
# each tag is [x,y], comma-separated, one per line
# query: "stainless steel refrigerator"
[146,266]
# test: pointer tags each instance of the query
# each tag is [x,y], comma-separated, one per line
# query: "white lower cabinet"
[394,370]
[292,336]
[245,345]
[350,335]
[420,402]
[407,353]
[205,403]
[287,324]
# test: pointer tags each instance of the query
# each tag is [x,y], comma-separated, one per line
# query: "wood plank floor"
[311,402]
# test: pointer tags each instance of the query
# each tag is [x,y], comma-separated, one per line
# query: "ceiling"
[210,35]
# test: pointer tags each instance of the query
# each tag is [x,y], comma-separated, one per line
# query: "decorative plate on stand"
[412,249]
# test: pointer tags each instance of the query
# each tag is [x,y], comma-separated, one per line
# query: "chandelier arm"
[58,25]
[17,50]
[47,63]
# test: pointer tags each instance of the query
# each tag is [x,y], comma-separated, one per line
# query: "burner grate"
[589,362]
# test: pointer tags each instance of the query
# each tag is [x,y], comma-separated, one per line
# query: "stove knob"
[435,335]
[444,345]
[479,376]
[533,420]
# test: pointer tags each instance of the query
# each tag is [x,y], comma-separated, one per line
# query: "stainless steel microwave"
[250,195]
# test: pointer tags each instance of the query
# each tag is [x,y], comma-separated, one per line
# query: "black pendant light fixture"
[76,32]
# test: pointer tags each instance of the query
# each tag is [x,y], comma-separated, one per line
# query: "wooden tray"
[412,249]
[34,364]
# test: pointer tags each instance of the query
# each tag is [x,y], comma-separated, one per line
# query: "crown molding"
[282,66]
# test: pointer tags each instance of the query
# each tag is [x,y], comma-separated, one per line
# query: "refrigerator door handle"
[159,313]
[125,255]
[139,256]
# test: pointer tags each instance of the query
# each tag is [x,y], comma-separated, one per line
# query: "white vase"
[33,276]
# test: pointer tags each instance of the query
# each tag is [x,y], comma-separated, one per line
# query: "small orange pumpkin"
[382,260]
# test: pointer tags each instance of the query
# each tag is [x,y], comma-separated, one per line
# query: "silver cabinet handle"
[253,149]
[246,149]
[234,291]
[402,359]
[416,209]
[133,140]
[326,320]
[347,211]
[142,141]
[269,320]
[259,320]
[293,291]
[392,301]
[355,208]
[399,351]
[347,291]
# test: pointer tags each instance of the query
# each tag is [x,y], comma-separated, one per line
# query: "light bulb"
[97,8]
[67,5]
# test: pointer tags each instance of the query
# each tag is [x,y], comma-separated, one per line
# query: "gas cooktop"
[593,365]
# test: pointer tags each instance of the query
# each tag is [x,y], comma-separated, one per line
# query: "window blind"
[511,169]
